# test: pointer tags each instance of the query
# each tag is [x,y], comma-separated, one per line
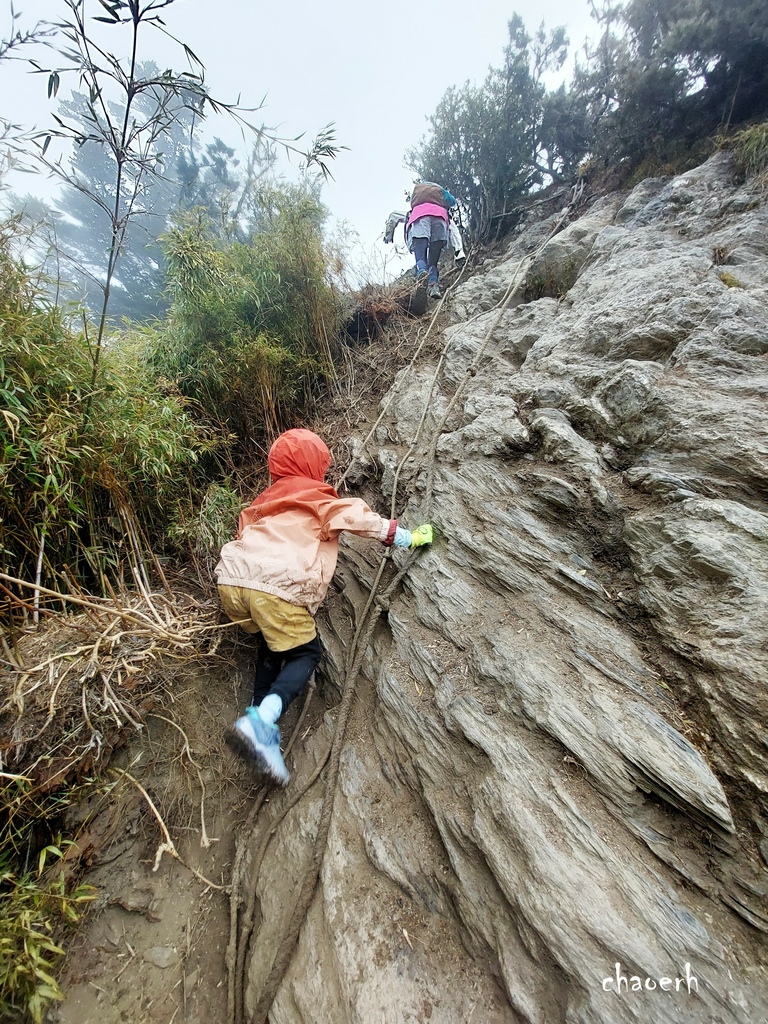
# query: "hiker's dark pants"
[285,673]
[427,253]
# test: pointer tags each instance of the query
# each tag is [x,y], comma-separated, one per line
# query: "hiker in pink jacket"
[427,230]
[273,577]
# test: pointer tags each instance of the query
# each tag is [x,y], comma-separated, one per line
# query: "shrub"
[73,477]
[32,908]
[247,339]
[749,153]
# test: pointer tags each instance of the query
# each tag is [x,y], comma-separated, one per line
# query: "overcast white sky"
[377,70]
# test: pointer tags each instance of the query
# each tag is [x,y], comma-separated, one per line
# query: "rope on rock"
[358,648]
[238,945]
[234,997]
[237,951]
[414,357]
[285,949]
[501,308]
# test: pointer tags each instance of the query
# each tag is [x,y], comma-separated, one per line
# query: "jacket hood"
[299,452]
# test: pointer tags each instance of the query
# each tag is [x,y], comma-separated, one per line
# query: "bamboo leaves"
[33,904]
[56,475]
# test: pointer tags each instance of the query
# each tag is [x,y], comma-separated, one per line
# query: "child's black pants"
[285,673]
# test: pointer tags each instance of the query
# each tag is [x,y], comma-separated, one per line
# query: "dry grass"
[369,370]
[749,155]
[71,691]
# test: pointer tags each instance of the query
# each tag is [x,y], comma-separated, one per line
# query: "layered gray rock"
[559,760]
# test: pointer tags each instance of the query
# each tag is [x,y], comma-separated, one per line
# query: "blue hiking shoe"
[259,743]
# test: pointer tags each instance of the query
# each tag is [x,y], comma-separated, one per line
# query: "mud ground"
[152,945]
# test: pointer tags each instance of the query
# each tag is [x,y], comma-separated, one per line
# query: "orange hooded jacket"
[287,541]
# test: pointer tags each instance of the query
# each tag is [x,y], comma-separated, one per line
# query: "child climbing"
[273,577]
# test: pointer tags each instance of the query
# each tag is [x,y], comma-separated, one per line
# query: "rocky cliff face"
[559,760]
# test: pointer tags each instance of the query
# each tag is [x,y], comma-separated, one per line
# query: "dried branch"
[167,846]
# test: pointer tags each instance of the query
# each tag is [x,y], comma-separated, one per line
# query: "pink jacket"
[426,210]
[287,543]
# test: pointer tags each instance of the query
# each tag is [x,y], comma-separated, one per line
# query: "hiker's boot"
[418,303]
[433,288]
[258,743]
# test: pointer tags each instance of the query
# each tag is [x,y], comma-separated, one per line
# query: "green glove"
[421,535]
